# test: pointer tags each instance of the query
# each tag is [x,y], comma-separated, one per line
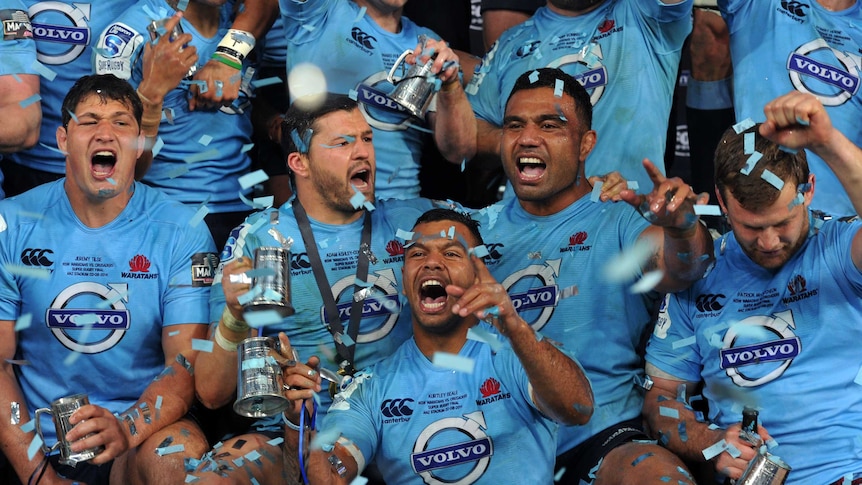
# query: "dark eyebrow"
[538,118]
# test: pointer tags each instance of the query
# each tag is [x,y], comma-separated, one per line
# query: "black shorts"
[581,459]
[85,472]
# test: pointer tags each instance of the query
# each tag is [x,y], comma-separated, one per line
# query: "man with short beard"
[343,274]
[775,325]
[626,54]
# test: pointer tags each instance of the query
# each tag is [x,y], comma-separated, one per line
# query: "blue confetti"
[454,362]
[668,412]
[748,143]
[168,450]
[743,125]
[35,446]
[558,87]
[211,154]
[481,335]
[684,342]
[32,99]
[246,147]
[23,322]
[774,180]
[596,192]
[43,70]
[249,180]
[269,81]
[641,458]
[359,15]
[707,210]
[751,163]
[202,345]
[205,140]
[199,216]
[262,318]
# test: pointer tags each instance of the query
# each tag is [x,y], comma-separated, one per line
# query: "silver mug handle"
[391,76]
[38,425]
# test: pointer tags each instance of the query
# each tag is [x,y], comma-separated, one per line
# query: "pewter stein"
[61,410]
[274,287]
[764,469]
[413,92]
[259,382]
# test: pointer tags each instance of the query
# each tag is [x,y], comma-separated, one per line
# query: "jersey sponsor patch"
[203,268]
[16,24]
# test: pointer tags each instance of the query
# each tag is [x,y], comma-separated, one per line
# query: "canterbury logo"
[363,38]
[299,261]
[794,7]
[396,408]
[709,303]
[36,257]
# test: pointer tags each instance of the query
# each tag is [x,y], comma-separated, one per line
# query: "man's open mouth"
[432,296]
[531,168]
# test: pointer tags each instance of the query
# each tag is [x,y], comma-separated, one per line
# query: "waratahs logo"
[490,387]
[139,268]
[394,248]
[490,391]
[139,263]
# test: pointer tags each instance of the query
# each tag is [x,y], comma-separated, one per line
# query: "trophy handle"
[38,425]
[391,76]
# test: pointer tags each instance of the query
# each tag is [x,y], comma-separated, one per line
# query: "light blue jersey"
[17,46]
[603,323]
[424,424]
[385,320]
[625,53]
[201,155]
[779,46]
[65,33]
[97,300]
[355,55]
[784,341]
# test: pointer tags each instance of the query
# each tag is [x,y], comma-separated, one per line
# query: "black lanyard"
[334,326]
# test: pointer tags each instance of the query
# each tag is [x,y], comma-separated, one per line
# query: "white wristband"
[237,44]
[289,424]
[223,342]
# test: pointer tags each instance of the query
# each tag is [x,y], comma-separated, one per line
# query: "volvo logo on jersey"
[758,349]
[825,71]
[62,29]
[441,456]
[382,303]
[535,303]
[89,317]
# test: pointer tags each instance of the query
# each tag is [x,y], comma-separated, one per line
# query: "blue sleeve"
[665,26]
[484,88]
[353,415]
[17,47]
[185,299]
[673,347]
[10,293]
[304,20]
[237,246]
[120,45]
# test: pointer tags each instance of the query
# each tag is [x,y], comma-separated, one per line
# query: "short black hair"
[440,214]
[108,88]
[299,120]
[547,77]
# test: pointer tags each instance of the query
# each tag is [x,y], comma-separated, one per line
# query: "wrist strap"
[237,41]
[232,323]
[223,342]
[218,56]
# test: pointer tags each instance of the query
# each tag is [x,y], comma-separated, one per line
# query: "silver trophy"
[61,410]
[259,382]
[273,288]
[765,469]
[413,92]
